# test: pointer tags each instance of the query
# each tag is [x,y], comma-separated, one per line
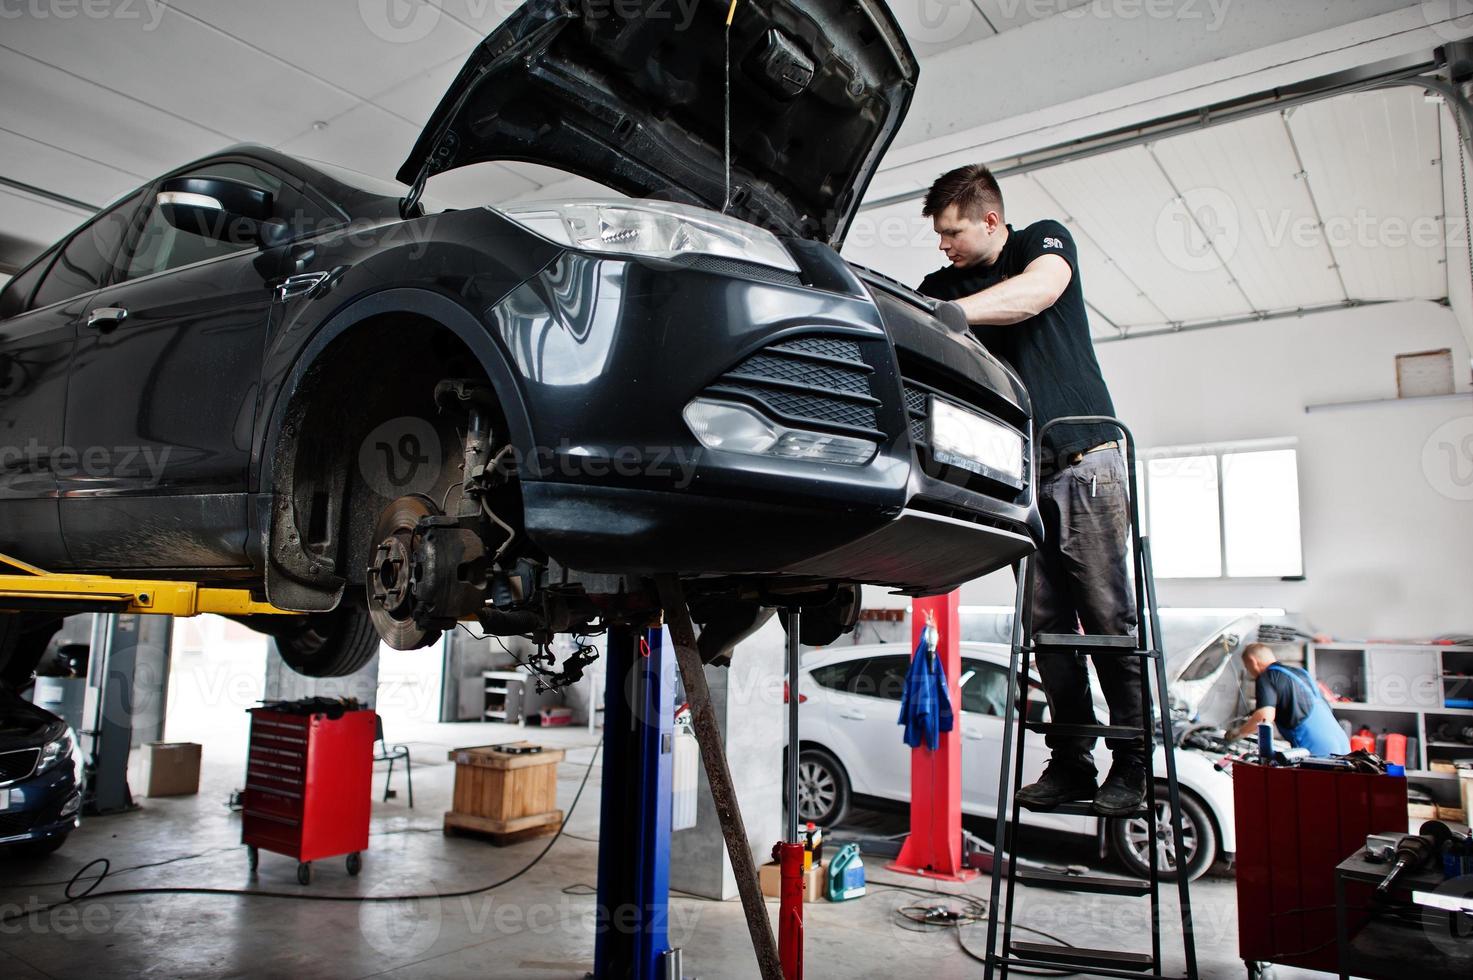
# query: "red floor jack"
[789,854]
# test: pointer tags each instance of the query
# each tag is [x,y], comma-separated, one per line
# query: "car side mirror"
[221,209]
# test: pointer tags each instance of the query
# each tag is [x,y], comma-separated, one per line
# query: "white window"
[1225,512]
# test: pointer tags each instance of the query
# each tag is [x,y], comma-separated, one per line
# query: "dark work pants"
[1082,578]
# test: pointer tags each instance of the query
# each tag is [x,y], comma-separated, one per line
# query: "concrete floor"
[541,926]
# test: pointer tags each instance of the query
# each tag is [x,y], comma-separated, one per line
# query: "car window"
[984,687]
[16,296]
[87,257]
[882,677]
[837,676]
[161,246]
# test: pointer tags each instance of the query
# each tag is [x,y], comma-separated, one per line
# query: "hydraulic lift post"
[633,904]
[790,851]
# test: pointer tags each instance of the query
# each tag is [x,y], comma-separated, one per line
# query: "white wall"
[1388,551]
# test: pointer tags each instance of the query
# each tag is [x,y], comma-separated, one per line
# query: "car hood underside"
[634,95]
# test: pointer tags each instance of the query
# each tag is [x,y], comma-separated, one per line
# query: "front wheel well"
[360,430]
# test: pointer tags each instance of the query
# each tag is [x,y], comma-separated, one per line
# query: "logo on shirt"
[1053,243]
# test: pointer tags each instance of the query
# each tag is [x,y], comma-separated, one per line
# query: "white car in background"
[851,745]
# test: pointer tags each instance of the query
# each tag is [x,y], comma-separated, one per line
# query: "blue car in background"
[40,778]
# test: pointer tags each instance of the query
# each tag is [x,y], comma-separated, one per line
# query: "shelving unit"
[1405,689]
[505,696]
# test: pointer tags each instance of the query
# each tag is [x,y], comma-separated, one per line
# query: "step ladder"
[1146,644]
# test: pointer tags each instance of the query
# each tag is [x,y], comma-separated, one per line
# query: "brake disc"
[391,573]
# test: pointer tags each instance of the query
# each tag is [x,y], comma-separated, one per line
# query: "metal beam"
[52,196]
[1237,321]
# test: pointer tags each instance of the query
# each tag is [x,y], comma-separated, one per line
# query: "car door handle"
[975,734]
[106,318]
[853,714]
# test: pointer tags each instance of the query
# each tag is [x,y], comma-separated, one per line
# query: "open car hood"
[818,91]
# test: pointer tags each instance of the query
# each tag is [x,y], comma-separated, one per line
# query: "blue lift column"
[634,821]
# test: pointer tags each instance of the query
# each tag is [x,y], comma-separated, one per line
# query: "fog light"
[734,428]
[823,447]
[742,429]
[72,805]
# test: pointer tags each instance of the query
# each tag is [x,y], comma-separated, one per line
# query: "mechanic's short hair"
[1259,651]
[972,189]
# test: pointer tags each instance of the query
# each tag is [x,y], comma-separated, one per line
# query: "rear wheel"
[823,788]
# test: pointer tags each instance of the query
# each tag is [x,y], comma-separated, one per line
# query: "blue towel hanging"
[925,707]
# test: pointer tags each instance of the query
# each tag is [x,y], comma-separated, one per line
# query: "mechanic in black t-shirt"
[1021,292]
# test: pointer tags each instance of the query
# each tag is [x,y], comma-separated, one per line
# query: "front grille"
[721,266]
[18,764]
[820,382]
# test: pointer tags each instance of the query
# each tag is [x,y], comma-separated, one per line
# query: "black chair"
[385,753]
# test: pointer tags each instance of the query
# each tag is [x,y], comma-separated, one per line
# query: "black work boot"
[1064,780]
[1124,790]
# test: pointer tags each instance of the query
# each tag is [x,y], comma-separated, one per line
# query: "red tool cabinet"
[308,787]
[1294,826]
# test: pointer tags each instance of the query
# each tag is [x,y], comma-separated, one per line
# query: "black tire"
[823,788]
[304,873]
[355,863]
[1125,836]
[24,638]
[330,644]
[253,859]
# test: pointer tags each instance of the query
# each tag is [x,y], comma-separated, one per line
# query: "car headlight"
[739,428]
[58,751]
[653,229]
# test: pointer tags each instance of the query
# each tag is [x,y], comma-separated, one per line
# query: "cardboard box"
[770,876]
[555,717]
[170,769]
[1421,811]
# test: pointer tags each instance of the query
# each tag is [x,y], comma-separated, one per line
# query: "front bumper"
[42,807]
[611,352]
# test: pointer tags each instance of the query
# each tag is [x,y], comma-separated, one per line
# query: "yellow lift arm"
[34,589]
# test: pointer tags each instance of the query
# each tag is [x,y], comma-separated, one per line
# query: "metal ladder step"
[1083,956]
[1084,808]
[1086,731]
[1125,645]
[1088,884]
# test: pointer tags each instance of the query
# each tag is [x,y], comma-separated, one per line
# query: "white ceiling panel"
[1243,182]
[259,98]
[39,221]
[51,106]
[40,165]
[482,16]
[416,97]
[1116,299]
[1006,15]
[478,184]
[366,138]
[1373,163]
[933,26]
[1121,201]
[363,47]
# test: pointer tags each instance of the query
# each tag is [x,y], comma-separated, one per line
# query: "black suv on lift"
[269,372]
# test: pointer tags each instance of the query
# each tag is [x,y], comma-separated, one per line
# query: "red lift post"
[934,847]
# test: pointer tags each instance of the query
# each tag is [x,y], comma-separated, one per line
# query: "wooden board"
[486,757]
[504,832]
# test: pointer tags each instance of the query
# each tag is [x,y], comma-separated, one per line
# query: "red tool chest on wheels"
[308,787]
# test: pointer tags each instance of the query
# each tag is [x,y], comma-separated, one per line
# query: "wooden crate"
[503,796]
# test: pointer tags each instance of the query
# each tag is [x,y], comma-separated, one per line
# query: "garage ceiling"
[94,106]
[1326,204]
